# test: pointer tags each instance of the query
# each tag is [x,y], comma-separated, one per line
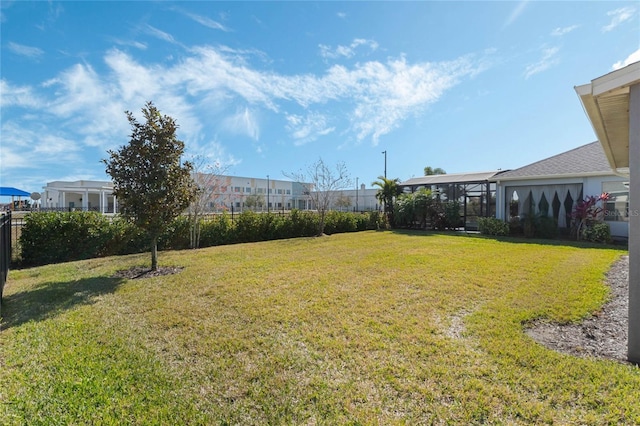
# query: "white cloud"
[549,59]
[304,129]
[634,57]
[217,89]
[22,50]
[243,122]
[136,82]
[153,31]
[341,15]
[207,22]
[346,51]
[22,96]
[618,16]
[560,31]
[24,145]
[132,43]
[213,157]
[515,13]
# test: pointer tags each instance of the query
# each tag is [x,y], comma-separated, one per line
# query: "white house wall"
[80,195]
[591,185]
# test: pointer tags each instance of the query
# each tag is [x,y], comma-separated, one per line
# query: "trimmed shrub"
[493,226]
[247,227]
[124,238]
[302,224]
[597,233]
[339,222]
[217,231]
[62,237]
[452,214]
[377,220]
[177,235]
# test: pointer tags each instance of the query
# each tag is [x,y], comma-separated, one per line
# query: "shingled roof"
[585,160]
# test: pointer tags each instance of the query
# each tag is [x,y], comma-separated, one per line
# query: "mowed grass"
[363,328]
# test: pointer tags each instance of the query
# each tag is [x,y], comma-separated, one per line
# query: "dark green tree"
[151,183]
[428,171]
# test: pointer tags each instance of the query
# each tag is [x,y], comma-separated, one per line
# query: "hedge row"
[53,237]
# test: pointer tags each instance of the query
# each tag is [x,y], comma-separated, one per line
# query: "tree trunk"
[154,254]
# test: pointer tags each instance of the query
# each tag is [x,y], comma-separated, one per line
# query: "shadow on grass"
[53,298]
[512,240]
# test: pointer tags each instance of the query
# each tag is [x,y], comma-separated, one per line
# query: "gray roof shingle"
[585,159]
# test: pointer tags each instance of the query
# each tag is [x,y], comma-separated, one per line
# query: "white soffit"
[606,103]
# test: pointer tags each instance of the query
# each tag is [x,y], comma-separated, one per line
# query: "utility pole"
[268,192]
[385,163]
[356,194]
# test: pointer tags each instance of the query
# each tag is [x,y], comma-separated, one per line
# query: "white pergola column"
[85,200]
[634,224]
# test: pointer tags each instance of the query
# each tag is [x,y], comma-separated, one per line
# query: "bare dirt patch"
[143,272]
[604,334]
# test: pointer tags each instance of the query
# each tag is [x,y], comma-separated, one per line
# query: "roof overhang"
[453,178]
[606,103]
[550,177]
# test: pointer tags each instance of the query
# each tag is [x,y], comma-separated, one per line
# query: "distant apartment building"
[221,193]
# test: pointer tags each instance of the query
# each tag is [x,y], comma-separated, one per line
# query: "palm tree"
[388,190]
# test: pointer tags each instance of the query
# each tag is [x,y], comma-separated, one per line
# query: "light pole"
[268,191]
[356,194]
[385,163]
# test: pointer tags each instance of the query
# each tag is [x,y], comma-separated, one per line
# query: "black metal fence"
[5,248]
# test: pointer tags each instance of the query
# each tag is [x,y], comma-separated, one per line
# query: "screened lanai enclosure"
[556,201]
[476,193]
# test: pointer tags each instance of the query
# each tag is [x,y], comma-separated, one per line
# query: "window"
[236,189]
[288,192]
[617,206]
[260,190]
[248,190]
[280,191]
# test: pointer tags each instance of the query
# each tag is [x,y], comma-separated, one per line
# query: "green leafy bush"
[302,224]
[534,226]
[62,236]
[339,222]
[452,214]
[247,227]
[124,238]
[598,233]
[176,236]
[493,226]
[217,231]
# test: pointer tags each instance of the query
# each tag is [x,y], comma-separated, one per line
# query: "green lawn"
[361,328]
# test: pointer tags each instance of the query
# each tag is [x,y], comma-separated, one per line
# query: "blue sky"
[263,88]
